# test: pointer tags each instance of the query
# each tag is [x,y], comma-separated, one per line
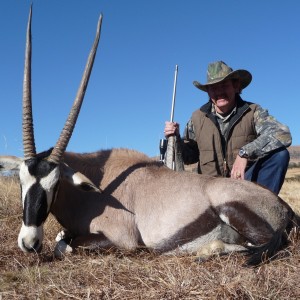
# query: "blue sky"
[130,91]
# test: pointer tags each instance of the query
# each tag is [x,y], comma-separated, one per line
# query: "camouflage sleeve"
[271,135]
[189,147]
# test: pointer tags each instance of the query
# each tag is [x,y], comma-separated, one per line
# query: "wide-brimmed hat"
[218,71]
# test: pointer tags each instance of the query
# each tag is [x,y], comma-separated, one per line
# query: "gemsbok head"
[40,173]
[122,198]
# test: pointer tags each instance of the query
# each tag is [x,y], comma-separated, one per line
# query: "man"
[231,137]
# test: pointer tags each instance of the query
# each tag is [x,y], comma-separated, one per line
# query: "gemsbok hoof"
[208,250]
[61,249]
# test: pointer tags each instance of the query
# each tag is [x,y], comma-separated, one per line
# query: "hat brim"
[244,76]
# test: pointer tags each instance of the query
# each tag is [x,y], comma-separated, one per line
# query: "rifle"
[171,147]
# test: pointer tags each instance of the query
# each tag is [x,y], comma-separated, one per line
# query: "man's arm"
[271,135]
[189,146]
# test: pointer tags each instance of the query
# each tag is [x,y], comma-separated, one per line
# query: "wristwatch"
[243,153]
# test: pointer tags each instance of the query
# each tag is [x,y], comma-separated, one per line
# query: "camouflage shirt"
[271,134]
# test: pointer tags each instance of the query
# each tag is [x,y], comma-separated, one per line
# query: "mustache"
[221,96]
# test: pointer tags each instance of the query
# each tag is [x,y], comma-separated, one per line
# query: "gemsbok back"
[123,199]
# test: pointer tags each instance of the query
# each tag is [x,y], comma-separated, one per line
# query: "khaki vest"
[212,160]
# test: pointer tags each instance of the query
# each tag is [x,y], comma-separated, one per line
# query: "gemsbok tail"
[269,250]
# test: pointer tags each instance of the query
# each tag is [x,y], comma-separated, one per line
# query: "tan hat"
[219,71]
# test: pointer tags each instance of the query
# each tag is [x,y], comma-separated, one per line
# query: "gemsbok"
[124,199]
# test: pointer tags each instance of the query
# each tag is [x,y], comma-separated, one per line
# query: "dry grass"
[290,191]
[140,275]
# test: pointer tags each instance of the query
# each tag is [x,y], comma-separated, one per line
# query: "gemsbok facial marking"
[122,198]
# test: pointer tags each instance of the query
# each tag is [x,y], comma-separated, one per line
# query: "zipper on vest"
[225,167]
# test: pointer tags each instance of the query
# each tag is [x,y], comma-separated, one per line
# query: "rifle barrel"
[174,94]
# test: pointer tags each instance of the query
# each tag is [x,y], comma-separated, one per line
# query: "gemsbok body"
[122,198]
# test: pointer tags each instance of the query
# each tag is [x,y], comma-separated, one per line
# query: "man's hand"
[171,128]
[238,168]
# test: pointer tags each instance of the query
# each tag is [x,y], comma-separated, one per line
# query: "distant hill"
[294,154]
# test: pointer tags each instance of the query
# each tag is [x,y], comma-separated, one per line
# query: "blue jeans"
[270,170]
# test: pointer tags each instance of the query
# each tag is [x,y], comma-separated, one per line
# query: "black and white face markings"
[39,180]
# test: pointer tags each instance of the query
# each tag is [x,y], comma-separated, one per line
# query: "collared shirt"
[223,121]
[223,124]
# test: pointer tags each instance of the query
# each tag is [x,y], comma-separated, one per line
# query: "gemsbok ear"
[77,179]
[10,163]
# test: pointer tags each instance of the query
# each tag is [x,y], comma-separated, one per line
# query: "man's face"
[223,95]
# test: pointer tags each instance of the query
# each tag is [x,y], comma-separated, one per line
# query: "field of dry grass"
[140,275]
